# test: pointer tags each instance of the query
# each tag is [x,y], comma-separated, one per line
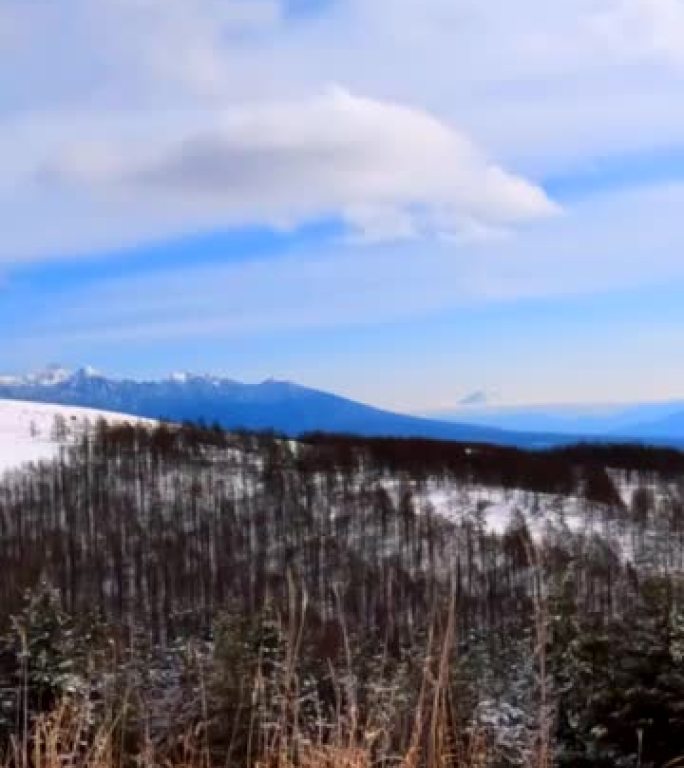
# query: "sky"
[401,201]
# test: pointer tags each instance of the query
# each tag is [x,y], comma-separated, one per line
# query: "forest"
[209,598]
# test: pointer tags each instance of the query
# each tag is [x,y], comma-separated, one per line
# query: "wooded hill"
[161,534]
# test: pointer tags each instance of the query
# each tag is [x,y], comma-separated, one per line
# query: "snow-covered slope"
[30,432]
[558,518]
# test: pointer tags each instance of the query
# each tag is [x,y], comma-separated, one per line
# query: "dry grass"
[67,738]
[62,740]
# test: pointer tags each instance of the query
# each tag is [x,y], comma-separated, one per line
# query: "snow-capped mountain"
[32,432]
[53,374]
[294,409]
[269,405]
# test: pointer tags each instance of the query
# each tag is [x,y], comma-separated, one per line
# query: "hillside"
[32,432]
[298,587]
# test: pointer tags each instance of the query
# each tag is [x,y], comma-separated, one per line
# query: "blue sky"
[400,201]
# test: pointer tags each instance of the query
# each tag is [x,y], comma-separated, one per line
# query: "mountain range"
[294,409]
[270,405]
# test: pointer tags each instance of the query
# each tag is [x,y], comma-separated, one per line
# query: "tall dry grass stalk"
[542,749]
[433,741]
[61,740]
[66,738]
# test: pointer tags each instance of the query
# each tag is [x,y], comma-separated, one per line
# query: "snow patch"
[28,433]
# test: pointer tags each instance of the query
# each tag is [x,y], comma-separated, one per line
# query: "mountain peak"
[49,376]
[87,372]
[480,397]
[180,377]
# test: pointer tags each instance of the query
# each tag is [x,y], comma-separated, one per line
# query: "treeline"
[162,525]
[558,470]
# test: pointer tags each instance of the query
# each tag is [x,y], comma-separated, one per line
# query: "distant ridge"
[292,409]
[651,422]
[270,405]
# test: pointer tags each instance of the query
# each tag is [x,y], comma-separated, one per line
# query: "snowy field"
[28,433]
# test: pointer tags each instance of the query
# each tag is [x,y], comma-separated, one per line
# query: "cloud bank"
[386,170]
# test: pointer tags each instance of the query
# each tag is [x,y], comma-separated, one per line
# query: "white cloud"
[387,170]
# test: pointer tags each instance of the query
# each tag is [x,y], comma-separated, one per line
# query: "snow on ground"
[496,510]
[28,433]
